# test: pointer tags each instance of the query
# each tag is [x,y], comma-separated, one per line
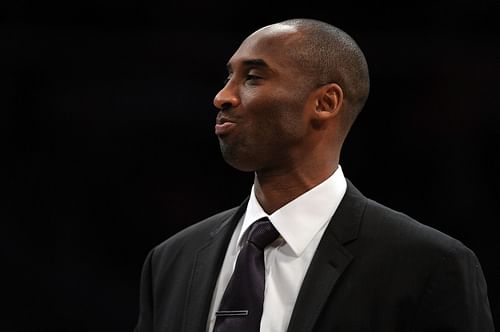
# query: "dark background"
[107,118]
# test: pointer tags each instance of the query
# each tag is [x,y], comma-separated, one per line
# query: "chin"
[238,159]
[240,165]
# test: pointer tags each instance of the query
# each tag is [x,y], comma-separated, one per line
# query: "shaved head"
[327,54]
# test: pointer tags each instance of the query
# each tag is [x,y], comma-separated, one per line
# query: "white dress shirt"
[301,224]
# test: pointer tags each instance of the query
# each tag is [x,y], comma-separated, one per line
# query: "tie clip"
[231,313]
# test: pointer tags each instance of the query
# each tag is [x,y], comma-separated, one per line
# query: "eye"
[253,78]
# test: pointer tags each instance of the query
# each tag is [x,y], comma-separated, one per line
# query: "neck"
[274,189]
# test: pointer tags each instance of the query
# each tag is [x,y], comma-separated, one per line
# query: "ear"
[329,101]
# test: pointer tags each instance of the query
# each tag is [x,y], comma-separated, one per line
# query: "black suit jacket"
[375,269]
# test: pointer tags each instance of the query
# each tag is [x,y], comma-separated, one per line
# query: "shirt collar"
[301,219]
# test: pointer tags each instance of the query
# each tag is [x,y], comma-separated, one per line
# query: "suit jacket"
[375,269]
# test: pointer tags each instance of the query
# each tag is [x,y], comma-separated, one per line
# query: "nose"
[227,97]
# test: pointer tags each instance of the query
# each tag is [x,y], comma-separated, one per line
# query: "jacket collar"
[329,262]
[207,264]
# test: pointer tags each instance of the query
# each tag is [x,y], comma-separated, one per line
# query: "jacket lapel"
[329,262]
[208,262]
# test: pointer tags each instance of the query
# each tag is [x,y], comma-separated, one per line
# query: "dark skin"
[271,122]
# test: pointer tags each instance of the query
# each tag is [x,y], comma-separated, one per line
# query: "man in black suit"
[342,262]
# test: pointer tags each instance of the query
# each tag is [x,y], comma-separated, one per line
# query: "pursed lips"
[223,125]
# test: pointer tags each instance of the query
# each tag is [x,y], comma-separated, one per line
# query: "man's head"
[293,91]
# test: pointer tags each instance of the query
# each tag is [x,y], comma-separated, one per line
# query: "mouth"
[223,125]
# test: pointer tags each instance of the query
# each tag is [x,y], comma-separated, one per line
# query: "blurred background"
[107,113]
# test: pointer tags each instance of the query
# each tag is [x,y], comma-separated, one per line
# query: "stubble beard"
[237,156]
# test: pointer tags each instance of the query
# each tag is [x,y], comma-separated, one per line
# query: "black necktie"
[240,309]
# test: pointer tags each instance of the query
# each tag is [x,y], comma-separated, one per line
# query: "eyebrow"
[259,63]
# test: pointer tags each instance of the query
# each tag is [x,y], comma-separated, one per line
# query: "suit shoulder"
[199,231]
[404,231]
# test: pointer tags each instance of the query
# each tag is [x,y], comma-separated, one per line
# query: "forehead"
[268,44]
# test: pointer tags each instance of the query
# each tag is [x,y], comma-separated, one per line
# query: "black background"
[107,118]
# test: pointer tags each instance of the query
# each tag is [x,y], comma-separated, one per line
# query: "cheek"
[287,114]
[275,114]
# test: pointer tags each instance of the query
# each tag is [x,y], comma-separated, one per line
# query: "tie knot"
[262,233]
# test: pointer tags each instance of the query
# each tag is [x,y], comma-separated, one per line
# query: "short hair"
[329,55]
